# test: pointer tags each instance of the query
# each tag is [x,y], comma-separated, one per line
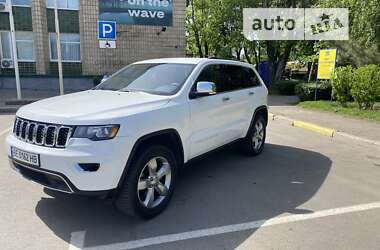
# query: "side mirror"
[203,89]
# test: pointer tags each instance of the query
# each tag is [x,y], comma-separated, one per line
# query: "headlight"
[96,133]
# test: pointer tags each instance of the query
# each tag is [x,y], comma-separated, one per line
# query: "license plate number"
[26,157]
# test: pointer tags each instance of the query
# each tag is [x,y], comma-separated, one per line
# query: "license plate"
[25,157]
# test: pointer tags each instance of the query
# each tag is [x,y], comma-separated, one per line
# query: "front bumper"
[59,168]
[49,179]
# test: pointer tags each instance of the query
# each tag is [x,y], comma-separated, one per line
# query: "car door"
[239,101]
[235,102]
[206,113]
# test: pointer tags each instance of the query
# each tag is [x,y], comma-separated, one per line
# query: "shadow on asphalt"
[220,189]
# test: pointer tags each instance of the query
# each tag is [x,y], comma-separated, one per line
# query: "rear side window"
[238,77]
[229,77]
[250,78]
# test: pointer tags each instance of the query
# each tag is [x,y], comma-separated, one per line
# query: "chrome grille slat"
[51,134]
[23,130]
[18,127]
[42,134]
[61,136]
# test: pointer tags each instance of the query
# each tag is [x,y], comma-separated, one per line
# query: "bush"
[366,86]
[286,87]
[306,91]
[342,84]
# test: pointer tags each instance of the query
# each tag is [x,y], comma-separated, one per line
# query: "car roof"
[188,60]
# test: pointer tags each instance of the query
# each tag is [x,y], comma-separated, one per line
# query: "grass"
[350,111]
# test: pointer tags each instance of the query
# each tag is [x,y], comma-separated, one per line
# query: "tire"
[253,144]
[146,192]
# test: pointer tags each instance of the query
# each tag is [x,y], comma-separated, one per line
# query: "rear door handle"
[226,99]
[251,93]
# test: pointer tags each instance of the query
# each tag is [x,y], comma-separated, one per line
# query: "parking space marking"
[222,229]
[5,131]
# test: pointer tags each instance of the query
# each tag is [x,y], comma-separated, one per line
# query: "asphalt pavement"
[306,191]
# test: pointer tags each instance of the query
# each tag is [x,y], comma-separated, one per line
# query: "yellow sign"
[326,63]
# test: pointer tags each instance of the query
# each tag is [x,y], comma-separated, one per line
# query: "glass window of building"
[25,3]
[5,45]
[64,4]
[24,44]
[70,47]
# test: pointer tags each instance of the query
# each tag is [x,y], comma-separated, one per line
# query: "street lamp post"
[59,55]
[14,48]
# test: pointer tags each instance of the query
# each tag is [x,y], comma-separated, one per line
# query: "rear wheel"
[254,142]
[149,184]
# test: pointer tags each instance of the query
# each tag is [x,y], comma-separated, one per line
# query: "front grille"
[42,134]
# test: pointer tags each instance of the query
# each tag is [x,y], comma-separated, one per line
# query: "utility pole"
[14,49]
[59,55]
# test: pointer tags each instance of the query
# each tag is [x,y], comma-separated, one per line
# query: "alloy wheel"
[258,135]
[154,182]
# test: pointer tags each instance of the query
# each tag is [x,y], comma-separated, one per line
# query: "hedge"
[287,87]
[306,91]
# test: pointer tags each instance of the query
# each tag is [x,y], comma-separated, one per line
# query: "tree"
[197,15]
[364,45]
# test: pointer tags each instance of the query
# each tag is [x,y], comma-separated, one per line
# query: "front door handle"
[226,99]
[251,93]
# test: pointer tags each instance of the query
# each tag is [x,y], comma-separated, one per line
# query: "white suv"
[128,137]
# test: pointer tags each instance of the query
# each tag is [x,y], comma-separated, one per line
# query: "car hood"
[90,106]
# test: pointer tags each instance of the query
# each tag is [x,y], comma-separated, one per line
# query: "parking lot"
[306,191]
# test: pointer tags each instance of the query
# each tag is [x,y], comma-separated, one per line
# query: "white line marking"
[77,240]
[232,228]
[5,131]
[353,137]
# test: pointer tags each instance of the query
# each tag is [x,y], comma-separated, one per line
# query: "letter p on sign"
[107,30]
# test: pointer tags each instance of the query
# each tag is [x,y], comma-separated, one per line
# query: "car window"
[238,77]
[250,78]
[228,77]
[212,73]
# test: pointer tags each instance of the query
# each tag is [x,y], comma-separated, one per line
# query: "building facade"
[81,55]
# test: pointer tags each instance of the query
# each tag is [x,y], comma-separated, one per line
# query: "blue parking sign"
[107,30]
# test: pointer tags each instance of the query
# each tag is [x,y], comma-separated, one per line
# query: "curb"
[9,109]
[313,127]
[305,125]
[321,130]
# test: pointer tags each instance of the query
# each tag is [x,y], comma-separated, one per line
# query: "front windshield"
[154,78]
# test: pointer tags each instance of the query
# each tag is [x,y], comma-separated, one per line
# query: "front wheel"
[254,142]
[149,184]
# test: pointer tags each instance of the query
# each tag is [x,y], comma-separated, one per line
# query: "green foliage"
[363,47]
[342,84]
[286,87]
[366,86]
[350,110]
[306,91]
